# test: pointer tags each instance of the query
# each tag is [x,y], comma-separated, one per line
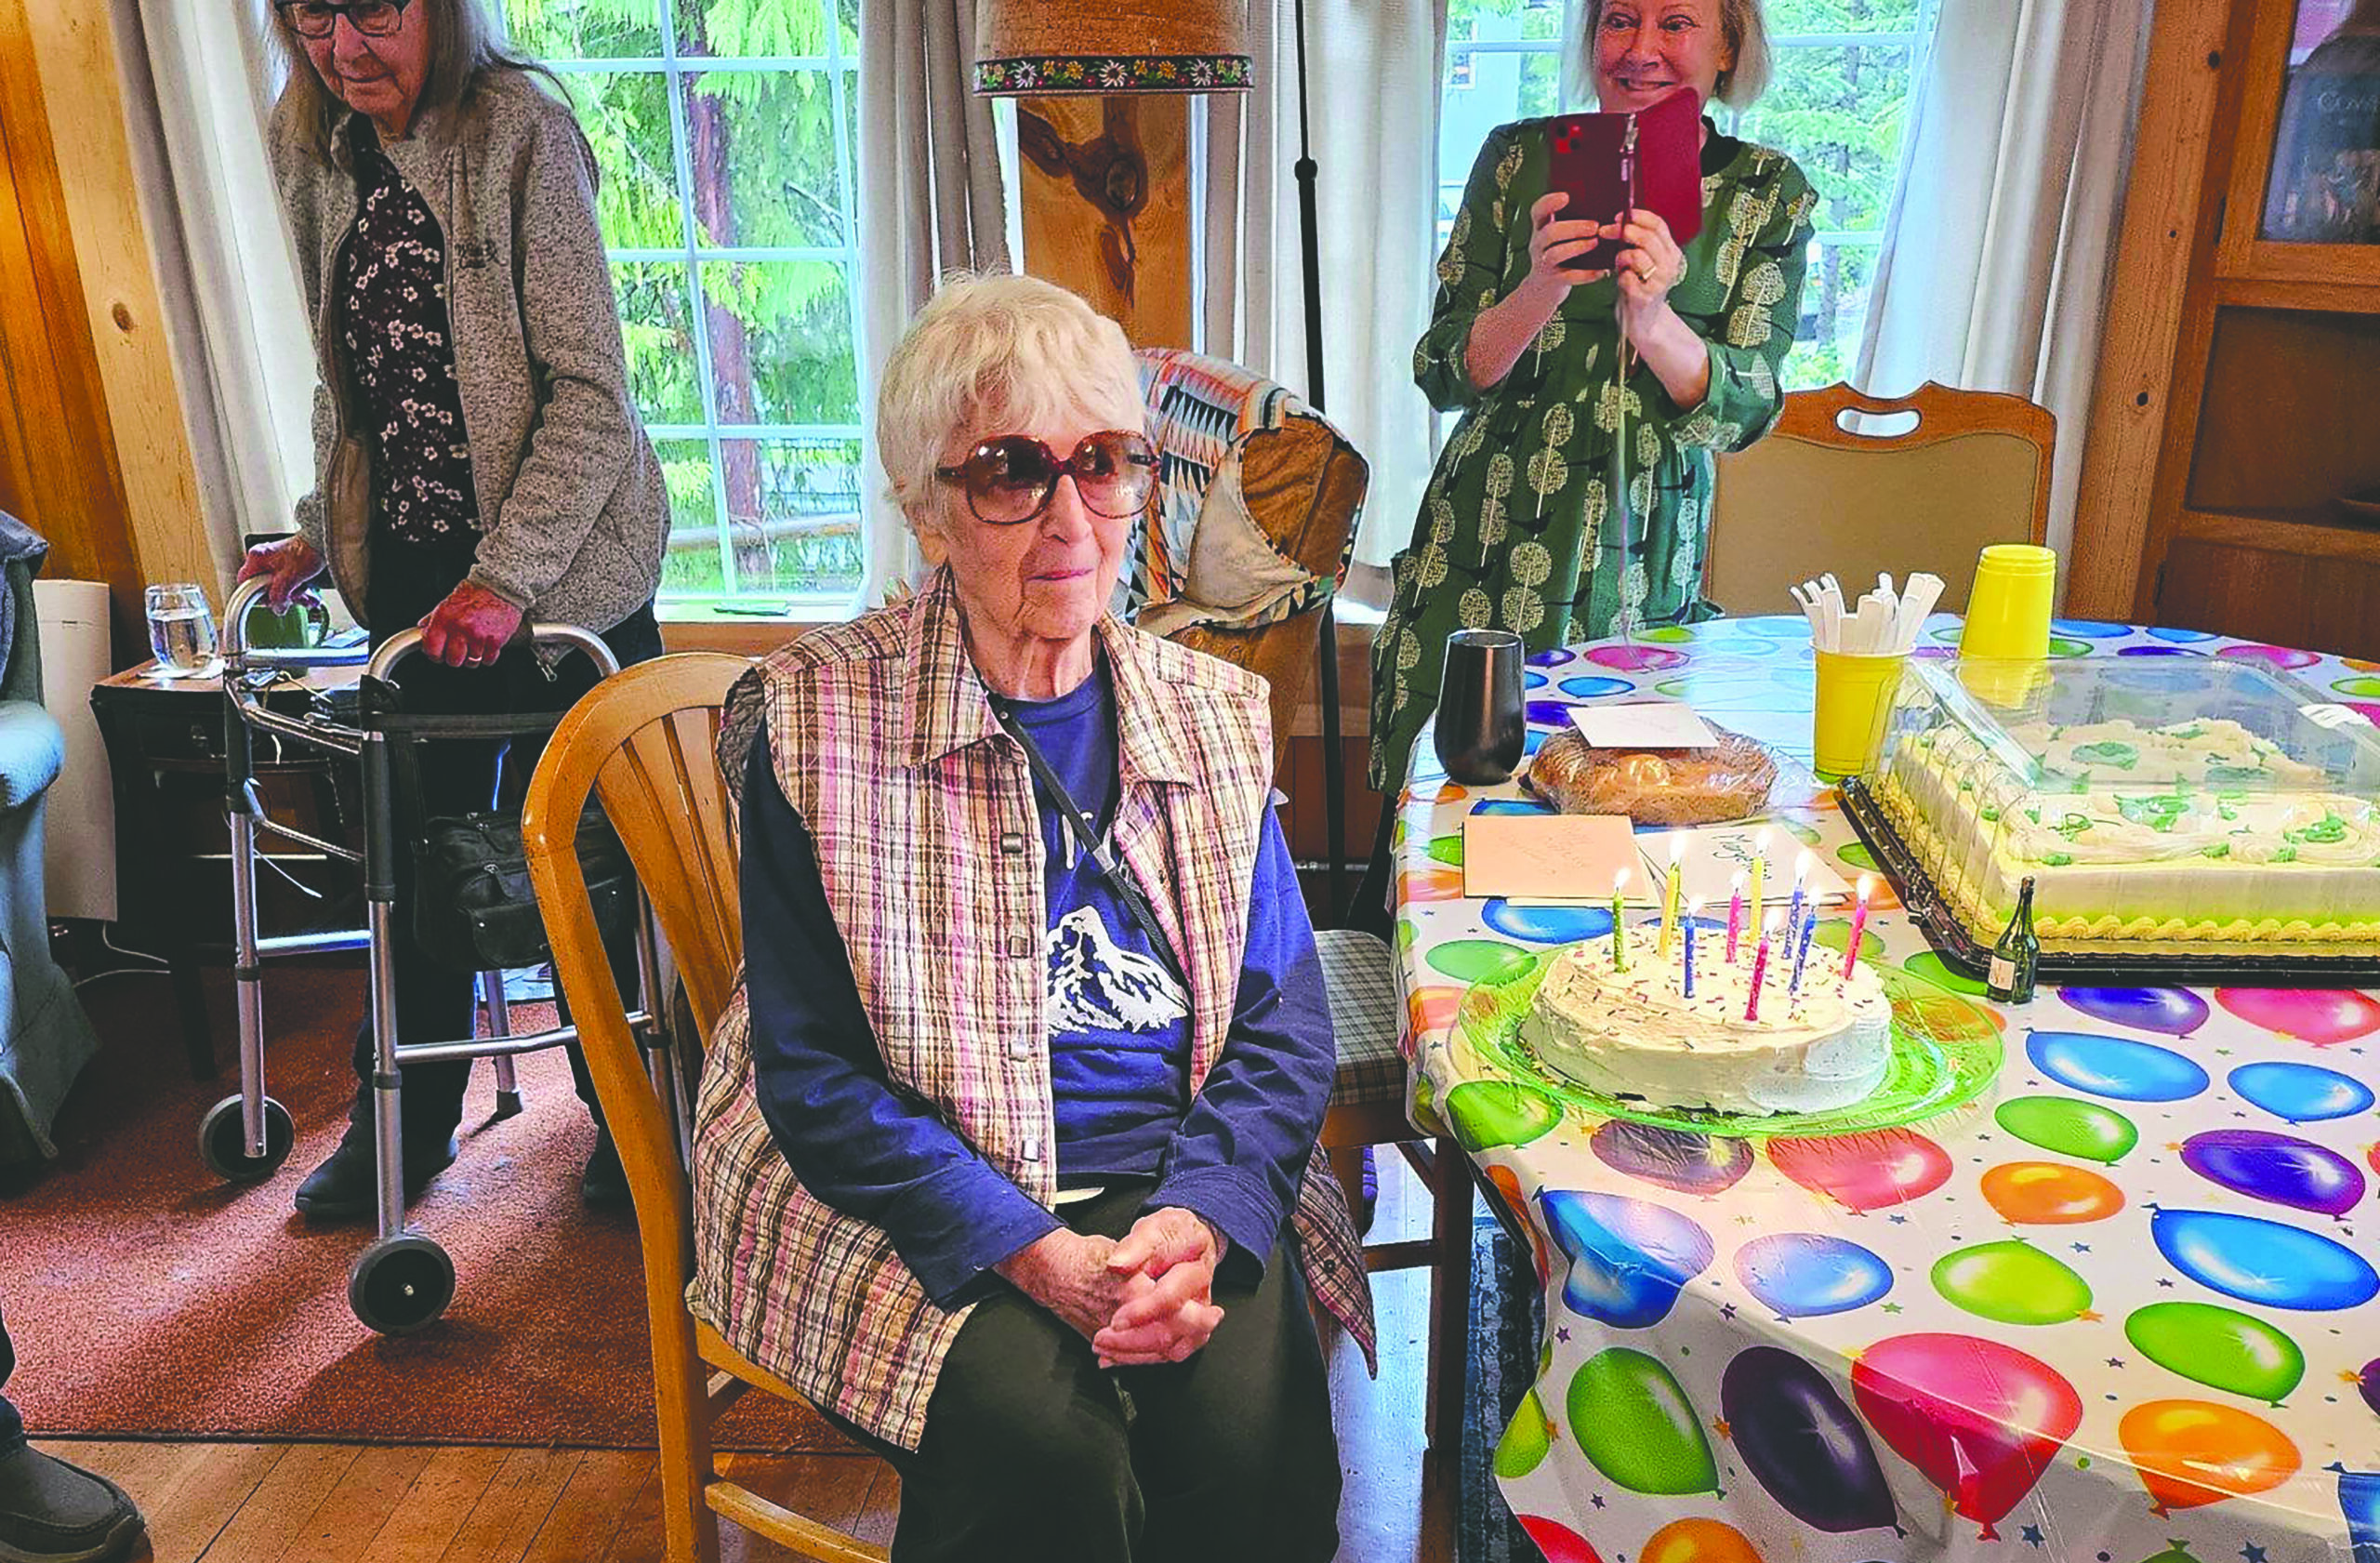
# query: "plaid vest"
[922,812]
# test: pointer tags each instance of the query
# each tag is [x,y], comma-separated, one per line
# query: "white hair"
[995,354]
[1741,22]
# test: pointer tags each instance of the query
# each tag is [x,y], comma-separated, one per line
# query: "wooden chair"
[642,744]
[1240,453]
[1815,495]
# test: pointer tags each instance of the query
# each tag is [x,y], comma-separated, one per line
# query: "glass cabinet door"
[2324,185]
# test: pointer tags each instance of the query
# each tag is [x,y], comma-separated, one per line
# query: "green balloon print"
[1470,959]
[1490,1113]
[1930,966]
[2220,1348]
[2083,1130]
[1523,1447]
[1631,1418]
[1859,857]
[2011,1282]
[1447,850]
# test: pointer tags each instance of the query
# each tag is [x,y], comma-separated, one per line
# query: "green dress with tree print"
[1512,532]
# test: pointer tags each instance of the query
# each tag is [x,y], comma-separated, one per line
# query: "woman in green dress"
[1517,529]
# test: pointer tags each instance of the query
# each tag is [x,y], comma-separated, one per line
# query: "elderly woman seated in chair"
[1005,1153]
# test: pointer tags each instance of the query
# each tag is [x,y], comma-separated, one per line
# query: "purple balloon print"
[2175,1010]
[1548,713]
[1802,1443]
[1802,1275]
[1628,1257]
[2114,1066]
[1674,1159]
[2279,1167]
[2367,1384]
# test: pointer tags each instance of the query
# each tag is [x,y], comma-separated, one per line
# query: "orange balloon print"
[1698,1541]
[2050,1193]
[1432,1009]
[1502,1180]
[2191,1452]
[1431,884]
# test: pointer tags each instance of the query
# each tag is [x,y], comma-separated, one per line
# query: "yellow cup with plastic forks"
[1854,694]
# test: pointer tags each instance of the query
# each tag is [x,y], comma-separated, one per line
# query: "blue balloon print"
[1804,1274]
[2301,1092]
[1532,679]
[1628,1257]
[1547,925]
[1535,741]
[1590,686]
[2090,629]
[2360,1504]
[1553,657]
[2260,1261]
[2114,1066]
[1548,713]
[1510,806]
[2186,636]
[2155,651]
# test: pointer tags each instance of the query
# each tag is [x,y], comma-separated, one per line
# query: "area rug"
[1506,1318]
[146,1298]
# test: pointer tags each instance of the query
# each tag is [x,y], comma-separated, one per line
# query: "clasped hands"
[1650,264]
[1147,1299]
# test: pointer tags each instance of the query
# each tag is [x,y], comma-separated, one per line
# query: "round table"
[2030,1327]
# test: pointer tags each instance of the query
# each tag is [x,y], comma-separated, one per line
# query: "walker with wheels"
[403,1280]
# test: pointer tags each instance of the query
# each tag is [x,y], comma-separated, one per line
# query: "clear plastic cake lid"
[2157,729]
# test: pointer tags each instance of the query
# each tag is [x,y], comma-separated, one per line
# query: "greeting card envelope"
[1551,858]
[1645,724]
[1713,854]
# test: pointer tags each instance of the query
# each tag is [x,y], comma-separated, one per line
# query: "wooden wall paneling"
[2167,219]
[2288,420]
[78,51]
[2322,603]
[2262,85]
[59,449]
[1107,206]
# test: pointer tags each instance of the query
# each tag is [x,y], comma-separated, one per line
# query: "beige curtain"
[1995,265]
[930,202]
[196,79]
[1373,69]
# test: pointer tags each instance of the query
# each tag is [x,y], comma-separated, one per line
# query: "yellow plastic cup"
[1855,694]
[2008,606]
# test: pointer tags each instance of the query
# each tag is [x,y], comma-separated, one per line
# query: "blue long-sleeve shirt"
[1119,1059]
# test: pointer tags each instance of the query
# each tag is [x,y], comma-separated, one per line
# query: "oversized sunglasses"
[319,19]
[1010,478]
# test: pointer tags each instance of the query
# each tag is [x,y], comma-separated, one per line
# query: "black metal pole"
[1334,766]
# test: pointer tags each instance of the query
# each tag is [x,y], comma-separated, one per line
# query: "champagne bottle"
[2014,957]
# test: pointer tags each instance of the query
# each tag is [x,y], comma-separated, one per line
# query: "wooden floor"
[413,1503]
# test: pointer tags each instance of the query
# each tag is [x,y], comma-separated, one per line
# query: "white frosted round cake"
[1635,1032]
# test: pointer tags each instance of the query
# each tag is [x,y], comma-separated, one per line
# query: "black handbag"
[474,907]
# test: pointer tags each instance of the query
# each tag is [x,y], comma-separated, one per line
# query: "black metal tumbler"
[1480,727]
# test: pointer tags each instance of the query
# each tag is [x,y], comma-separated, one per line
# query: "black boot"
[345,1186]
[51,1512]
[604,1185]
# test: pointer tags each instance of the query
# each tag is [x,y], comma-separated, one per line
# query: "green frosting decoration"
[2123,757]
[2056,859]
[2220,849]
[2285,855]
[2329,834]
[2072,825]
[2235,773]
[2157,811]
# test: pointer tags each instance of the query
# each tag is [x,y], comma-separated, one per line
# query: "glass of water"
[181,630]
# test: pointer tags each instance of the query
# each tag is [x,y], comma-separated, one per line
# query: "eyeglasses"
[319,19]
[1010,478]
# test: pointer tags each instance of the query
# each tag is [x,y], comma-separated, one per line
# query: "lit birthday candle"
[1618,921]
[1858,926]
[1759,873]
[1802,952]
[1759,969]
[1669,894]
[1802,865]
[1693,910]
[1734,916]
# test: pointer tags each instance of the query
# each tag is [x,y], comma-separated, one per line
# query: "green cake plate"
[1947,1051]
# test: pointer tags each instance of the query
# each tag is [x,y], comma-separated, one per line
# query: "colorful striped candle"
[1858,927]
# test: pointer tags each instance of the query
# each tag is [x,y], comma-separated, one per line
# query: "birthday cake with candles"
[1748,1039]
[2190,807]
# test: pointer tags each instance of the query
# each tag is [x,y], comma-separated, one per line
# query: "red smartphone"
[1604,170]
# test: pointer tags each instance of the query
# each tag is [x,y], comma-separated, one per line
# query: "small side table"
[164,744]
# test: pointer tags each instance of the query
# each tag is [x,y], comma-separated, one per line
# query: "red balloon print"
[1557,1540]
[1505,1182]
[1981,1419]
[1867,1170]
[2323,1016]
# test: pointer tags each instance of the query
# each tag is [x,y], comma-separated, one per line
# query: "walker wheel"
[223,1141]
[401,1284]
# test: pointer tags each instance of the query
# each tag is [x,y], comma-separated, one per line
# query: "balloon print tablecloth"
[2117,1309]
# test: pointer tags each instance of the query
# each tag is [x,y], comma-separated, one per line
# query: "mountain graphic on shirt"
[1097,985]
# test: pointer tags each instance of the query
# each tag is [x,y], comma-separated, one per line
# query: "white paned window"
[1837,105]
[727,134]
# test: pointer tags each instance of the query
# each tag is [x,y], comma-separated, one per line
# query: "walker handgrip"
[404,643]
